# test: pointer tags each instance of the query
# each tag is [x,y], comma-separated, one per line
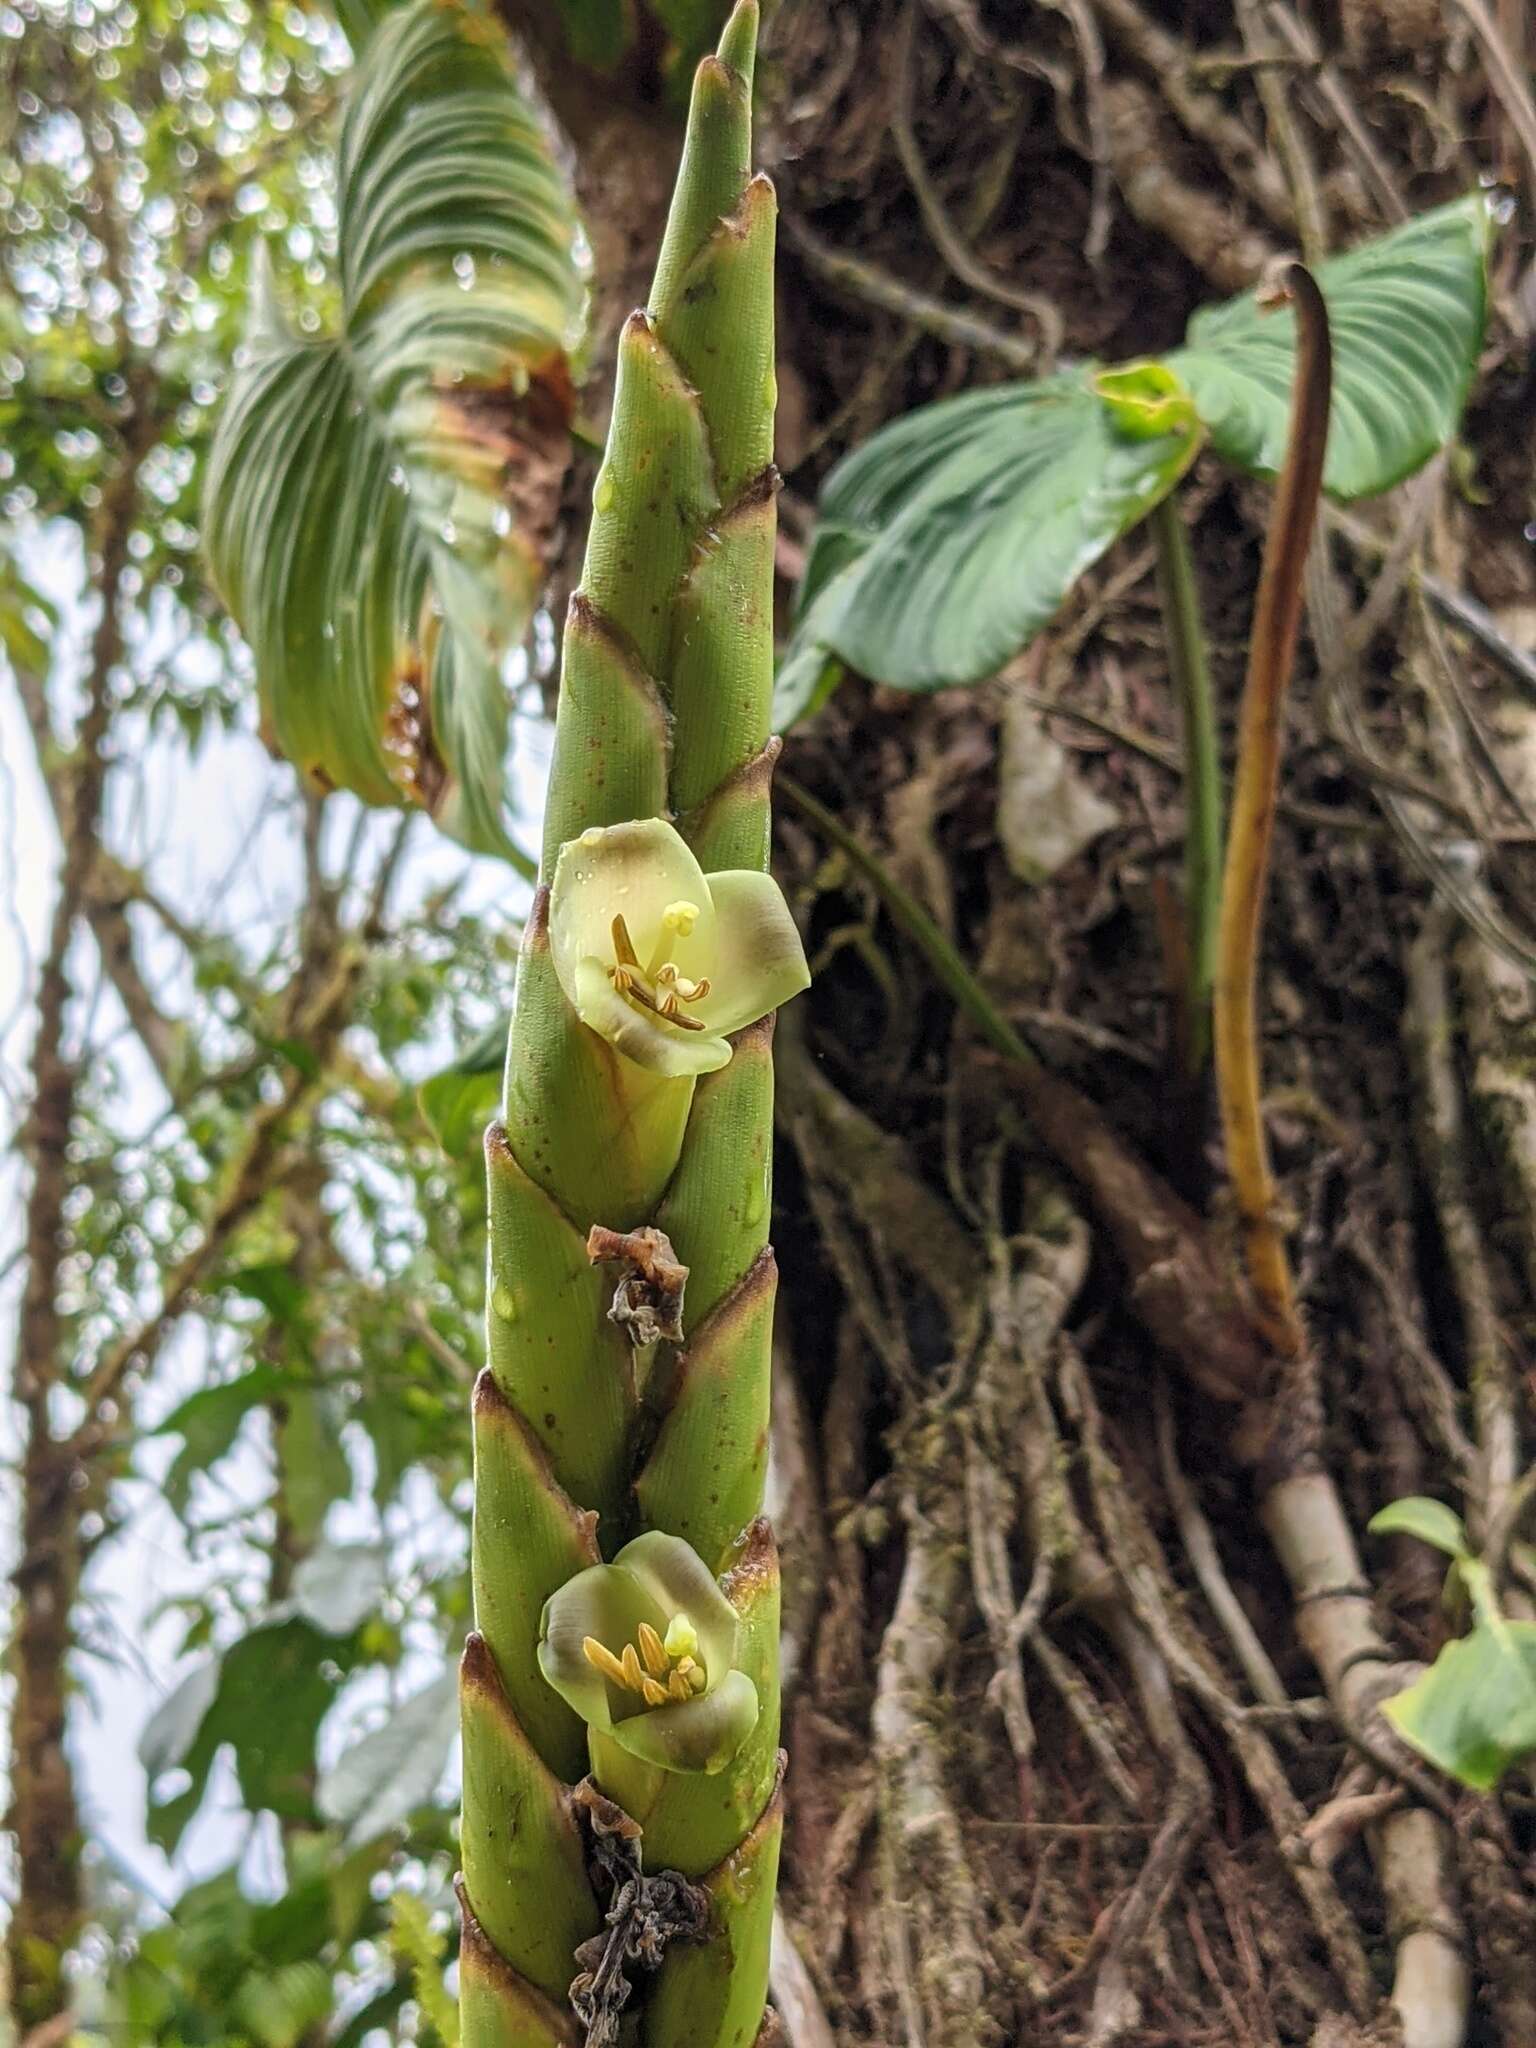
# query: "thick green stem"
[1202,777]
[581,1441]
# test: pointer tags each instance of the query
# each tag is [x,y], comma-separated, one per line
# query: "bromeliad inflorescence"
[660,959]
[645,1649]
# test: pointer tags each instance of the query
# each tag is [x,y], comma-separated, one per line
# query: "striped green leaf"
[954,536]
[378,499]
[1406,313]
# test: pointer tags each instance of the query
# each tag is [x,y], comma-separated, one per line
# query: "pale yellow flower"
[661,959]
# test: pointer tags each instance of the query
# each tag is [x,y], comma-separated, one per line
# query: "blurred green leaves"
[273,1689]
[378,502]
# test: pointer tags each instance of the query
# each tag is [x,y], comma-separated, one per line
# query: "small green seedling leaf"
[1473,1713]
[1430,1520]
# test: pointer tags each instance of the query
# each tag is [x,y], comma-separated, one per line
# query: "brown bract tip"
[757,490]
[477,1667]
[754,1570]
[756,1037]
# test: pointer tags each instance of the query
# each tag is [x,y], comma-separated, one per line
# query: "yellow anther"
[634,1677]
[653,1694]
[696,1678]
[682,1638]
[685,1665]
[678,1687]
[601,1658]
[652,1650]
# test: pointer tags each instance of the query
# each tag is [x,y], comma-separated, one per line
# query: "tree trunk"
[43,1816]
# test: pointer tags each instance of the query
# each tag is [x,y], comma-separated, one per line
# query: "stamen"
[654,1695]
[670,1008]
[623,948]
[678,1687]
[634,1677]
[686,991]
[696,1678]
[602,1659]
[652,1650]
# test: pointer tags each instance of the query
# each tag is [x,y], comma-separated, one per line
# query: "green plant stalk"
[581,1442]
[1202,775]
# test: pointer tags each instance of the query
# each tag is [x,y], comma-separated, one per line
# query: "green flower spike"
[661,960]
[645,1650]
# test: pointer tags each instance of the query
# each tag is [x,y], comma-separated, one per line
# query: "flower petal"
[695,1735]
[633,871]
[759,961]
[648,1041]
[609,1603]
[674,1576]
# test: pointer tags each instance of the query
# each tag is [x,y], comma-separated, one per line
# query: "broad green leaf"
[953,536]
[209,1421]
[274,1687]
[1430,1520]
[460,1101]
[386,1774]
[327,1897]
[1407,315]
[338,1585]
[172,1729]
[1473,1713]
[378,500]
[312,1466]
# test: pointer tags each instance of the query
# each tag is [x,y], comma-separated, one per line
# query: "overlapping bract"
[639,1099]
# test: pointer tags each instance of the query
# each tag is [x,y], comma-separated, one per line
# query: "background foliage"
[259,978]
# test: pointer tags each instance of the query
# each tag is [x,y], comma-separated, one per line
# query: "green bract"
[658,1584]
[661,960]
